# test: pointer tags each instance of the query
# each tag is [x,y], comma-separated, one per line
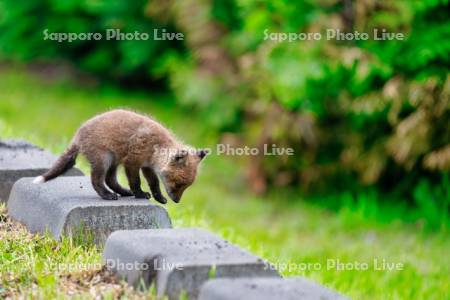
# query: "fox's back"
[111,131]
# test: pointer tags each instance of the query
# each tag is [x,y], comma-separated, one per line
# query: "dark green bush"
[22,26]
[370,112]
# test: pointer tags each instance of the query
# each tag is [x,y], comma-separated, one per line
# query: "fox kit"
[139,143]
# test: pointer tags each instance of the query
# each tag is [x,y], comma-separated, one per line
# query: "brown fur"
[139,143]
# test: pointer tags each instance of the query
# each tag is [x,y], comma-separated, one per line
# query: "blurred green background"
[363,116]
[369,120]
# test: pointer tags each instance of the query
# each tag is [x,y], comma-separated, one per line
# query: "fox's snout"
[175,197]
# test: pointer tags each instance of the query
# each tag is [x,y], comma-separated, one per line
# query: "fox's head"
[180,172]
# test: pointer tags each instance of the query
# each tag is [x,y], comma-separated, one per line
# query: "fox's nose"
[174,197]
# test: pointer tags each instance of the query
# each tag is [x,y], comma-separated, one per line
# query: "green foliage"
[433,201]
[371,111]
[23,26]
[356,112]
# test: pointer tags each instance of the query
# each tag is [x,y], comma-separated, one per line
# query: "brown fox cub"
[139,143]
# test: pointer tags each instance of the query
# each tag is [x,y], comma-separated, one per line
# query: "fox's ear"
[180,157]
[202,153]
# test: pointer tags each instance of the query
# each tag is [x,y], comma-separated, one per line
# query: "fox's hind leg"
[111,182]
[100,163]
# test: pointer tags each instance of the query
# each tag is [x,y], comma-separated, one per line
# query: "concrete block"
[21,159]
[70,205]
[294,288]
[178,261]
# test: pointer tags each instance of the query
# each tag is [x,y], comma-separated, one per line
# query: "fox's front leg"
[132,172]
[153,183]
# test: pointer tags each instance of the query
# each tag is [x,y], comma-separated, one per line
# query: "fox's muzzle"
[175,198]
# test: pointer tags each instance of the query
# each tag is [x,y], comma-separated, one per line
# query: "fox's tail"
[62,164]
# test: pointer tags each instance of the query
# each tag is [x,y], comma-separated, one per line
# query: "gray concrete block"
[294,288]
[21,159]
[70,205]
[178,261]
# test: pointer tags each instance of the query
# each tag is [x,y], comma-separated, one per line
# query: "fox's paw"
[142,195]
[161,199]
[110,196]
[126,193]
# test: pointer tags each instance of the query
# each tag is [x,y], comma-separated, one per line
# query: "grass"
[301,238]
[37,266]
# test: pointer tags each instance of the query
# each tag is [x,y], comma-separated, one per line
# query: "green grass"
[280,227]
